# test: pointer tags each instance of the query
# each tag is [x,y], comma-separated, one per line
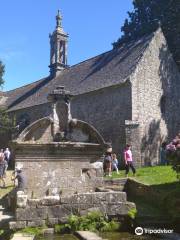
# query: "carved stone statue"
[61,113]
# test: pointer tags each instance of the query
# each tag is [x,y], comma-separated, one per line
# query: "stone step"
[110,188]
[5,217]
[2,208]
[87,235]
[116,181]
[23,236]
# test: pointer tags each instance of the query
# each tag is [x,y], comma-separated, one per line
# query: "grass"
[164,182]
[9,185]
[150,175]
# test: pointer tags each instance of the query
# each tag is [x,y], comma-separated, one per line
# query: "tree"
[147,16]
[6,123]
[2,70]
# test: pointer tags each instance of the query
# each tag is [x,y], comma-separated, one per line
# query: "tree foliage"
[147,16]
[6,123]
[2,69]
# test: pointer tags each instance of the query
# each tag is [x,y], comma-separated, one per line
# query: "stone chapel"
[129,94]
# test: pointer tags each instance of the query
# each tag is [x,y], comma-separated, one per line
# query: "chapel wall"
[155,86]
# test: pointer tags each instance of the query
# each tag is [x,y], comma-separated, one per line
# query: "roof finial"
[58,19]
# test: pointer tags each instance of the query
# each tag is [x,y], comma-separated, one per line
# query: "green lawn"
[162,180]
[151,175]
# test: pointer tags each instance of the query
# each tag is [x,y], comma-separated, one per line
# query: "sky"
[92,25]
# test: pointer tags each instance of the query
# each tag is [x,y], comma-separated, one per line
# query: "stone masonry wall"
[54,209]
[34,113]
[106,110]
[155,87]
[59,168]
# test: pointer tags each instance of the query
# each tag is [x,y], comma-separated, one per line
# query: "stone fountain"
[57,155]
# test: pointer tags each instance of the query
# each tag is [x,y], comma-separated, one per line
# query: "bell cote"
[58,48]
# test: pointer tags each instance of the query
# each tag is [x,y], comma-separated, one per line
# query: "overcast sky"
[25,25]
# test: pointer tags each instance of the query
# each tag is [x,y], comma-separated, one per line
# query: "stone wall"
[155,87]
[132,130]
[54,209]
[34,113]
[59,168]
[106,110]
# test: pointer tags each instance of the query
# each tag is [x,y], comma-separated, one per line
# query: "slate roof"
[105,70]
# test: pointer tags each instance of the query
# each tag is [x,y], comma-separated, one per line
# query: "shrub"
[93,221]
[132,213]
[173,154]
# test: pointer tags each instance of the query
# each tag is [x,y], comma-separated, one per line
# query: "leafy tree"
[6,123]
[2,69]
[147,16]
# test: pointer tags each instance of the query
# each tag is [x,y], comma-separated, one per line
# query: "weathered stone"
[34,202]
[66,199]
[21,200]
[93,209]
[17,225]
[57,212]
[82,198]
[36,223]
[52,221]
[31,213]
[23,236]
[115,197]
[50,200]
[99,197]
[87,235]
[48,231]
[119,209]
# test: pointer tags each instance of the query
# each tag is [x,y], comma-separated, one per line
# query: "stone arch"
[40,130]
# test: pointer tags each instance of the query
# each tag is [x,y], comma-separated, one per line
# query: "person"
[21,179]
[20,186]
[129,160]
[108,162]
[7,155]
[115,163]
[163,158]
[2,167]
[6,159]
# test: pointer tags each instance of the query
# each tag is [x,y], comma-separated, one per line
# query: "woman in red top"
[128,160]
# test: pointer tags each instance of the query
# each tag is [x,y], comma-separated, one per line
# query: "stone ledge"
[87,235]
[23,236]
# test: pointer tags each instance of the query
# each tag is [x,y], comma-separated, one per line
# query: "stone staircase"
[113,185]
[5,218]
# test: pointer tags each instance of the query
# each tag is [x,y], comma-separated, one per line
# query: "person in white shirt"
[7,155]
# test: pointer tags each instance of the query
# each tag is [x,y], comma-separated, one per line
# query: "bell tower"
[58,45]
